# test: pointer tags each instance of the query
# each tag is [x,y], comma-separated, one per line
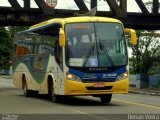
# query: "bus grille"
[84,80]
[99,88]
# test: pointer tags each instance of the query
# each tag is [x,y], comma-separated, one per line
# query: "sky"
[70,4]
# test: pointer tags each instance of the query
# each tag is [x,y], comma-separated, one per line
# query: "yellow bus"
[73,56]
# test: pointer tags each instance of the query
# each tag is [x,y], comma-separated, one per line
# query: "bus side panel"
[56,70]
[17,79]
[36,70]
[18,70]
[25,66]
[21,71]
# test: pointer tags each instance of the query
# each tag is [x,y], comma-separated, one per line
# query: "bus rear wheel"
[27,93]
[105,99]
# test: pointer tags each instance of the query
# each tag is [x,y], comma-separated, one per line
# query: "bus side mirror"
[133,35]
[61,38]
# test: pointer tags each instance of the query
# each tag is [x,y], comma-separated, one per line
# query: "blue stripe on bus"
[98,77]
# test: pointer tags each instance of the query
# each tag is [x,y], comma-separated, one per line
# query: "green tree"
[146,54]
[14,29]
[6,45]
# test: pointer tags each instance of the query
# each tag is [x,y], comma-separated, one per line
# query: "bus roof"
[64,21]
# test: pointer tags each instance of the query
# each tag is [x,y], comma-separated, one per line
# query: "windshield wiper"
[88,55]
[106,53]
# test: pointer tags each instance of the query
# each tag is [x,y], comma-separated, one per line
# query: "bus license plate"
[98,85]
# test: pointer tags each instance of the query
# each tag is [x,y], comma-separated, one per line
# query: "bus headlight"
[122,76]
[73,77]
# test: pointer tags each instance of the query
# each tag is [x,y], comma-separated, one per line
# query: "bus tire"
[105,99]
[27,93]
[52,96]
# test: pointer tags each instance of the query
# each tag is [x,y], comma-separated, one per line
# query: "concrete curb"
[144,93]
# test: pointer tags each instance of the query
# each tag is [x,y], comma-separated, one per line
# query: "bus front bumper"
[79,88]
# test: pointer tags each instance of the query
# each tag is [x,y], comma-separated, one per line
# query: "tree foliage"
[6,45]
[146,54]
[15,29]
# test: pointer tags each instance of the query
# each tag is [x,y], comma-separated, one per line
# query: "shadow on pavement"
[74,100]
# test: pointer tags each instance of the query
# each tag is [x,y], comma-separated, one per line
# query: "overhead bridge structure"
[24,16]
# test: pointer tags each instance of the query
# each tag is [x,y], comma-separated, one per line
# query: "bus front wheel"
[53,97]
[105,99]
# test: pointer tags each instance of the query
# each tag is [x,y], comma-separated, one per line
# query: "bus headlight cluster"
[122,76]
[73,77]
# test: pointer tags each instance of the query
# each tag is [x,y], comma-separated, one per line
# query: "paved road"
[14,103]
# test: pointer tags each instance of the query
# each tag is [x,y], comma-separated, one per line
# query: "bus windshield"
[95,45]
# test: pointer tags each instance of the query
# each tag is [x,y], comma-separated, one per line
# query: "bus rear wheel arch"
[26,92]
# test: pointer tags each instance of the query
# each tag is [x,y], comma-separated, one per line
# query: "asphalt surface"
[13,105]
